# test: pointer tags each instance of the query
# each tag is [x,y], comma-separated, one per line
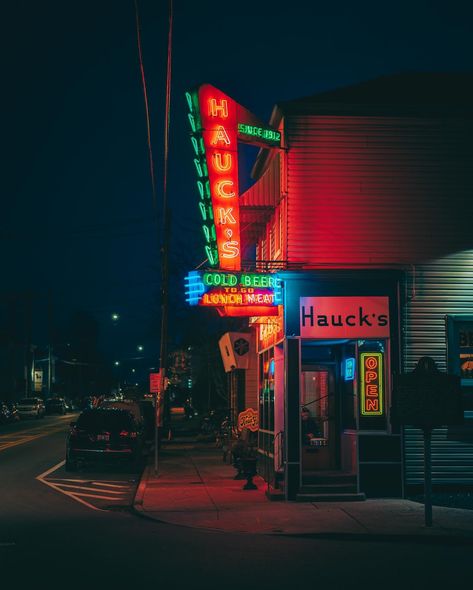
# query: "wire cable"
[145,95]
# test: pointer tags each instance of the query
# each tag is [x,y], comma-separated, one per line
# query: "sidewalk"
[195,488]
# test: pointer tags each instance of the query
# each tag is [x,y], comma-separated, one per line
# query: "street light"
[115,317]
[139,347]
[117,363]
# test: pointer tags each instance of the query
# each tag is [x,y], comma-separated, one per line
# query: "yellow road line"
[29,438]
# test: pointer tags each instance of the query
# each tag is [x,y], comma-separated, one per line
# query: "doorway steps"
[329,486]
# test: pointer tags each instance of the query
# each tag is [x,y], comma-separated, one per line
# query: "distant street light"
[117,363]
[139,347]
[115,317]
[133,370]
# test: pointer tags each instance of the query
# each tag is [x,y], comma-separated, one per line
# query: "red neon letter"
[220,186]
[220,136]
[225,216]
[372,390]
[215,109]
[372,405]
[230,249]
[371,362]
[370,376]
[222,166]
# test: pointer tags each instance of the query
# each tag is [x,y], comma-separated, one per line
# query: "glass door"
[320,436]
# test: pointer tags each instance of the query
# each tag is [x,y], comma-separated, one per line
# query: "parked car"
[130,405]
[100,434]
[56,405]
[31,407]
[8,412]
[71,405]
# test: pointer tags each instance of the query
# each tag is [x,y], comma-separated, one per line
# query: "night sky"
[78,215]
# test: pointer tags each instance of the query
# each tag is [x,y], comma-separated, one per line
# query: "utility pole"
[162,233]
[28,330]
[166,234]
[50,333]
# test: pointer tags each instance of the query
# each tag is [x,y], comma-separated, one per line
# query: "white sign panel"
[344,317]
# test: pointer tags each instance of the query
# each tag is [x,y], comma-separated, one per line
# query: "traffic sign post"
[426,399]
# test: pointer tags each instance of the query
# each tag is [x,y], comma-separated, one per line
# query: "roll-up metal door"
[433,291]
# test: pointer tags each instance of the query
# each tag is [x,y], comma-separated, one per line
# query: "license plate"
[103,437]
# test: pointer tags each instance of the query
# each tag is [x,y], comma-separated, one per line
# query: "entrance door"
[319,419]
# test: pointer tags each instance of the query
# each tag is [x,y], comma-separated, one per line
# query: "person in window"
[309,428]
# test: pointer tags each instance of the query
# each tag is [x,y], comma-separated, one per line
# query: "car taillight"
[127,434]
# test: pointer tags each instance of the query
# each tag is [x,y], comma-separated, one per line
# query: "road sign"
[38,380]
[155,382]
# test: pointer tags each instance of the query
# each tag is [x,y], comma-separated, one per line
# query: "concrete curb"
[140,490]
[433,539]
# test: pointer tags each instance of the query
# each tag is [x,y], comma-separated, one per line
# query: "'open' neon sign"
[371,383]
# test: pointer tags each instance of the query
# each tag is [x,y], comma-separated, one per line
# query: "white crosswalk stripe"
[106,490]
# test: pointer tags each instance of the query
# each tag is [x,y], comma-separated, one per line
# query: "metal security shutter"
[433,291]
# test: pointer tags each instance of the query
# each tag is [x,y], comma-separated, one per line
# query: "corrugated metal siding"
[432,291]
[377,190]
[265,192]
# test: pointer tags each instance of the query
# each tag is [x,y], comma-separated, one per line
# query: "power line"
[145,96]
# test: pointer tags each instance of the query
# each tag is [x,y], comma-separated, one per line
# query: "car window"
[111,420]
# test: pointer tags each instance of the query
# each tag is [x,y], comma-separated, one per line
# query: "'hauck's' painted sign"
[344,317]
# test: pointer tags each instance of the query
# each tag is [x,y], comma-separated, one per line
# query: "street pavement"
[50,539]
[195,488]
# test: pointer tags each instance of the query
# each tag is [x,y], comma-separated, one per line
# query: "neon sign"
[237,296]
[218,115]
[248,419]
[262,133]
[203,182]
[349,369]
[218,289]
[217,123]
[371,383]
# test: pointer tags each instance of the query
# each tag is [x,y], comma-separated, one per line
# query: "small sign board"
[248,419]
[38,380]
[154,382]
[427,399]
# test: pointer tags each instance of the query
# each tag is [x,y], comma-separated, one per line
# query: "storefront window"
[266,390]
[460,354]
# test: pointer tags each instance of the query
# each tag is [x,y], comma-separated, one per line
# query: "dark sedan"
[8,412]
[101,434]
[56,405]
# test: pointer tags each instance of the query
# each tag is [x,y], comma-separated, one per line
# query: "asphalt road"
[55,536]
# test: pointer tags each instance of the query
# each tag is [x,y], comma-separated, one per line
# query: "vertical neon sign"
[218,115]
[203,182]
[371,383]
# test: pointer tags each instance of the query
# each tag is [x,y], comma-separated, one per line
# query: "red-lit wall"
[377,191]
